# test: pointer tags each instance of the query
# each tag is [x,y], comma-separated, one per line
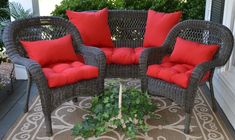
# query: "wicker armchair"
[204,32]
[127,29]
[47,28]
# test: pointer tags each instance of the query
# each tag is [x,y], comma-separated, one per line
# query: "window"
[217,11]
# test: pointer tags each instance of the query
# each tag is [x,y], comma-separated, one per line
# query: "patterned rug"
[204,126]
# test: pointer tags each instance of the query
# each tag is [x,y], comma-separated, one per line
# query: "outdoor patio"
[12,111]
[124,70]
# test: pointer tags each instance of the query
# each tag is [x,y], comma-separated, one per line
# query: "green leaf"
[135,105]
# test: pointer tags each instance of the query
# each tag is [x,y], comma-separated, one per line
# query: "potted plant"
[118,107]
[15,11]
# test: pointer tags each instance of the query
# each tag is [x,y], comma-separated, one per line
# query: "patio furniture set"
[71,58]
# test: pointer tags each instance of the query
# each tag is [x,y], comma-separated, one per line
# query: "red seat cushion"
[47,52]
[108,52]
[178,74]
[123,56]
[68,73]
[158,26]
[196,53]
[93,27]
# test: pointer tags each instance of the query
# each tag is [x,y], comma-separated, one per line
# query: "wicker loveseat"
[128,29]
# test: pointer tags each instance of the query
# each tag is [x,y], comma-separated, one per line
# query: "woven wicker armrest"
[33,68]
[151,56]
[200,71]
[94,56]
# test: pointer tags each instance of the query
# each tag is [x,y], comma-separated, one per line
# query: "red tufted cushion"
[158,26]
[93,27]
[178,74]
[68,73]
[47,52]
[123,56]
[192,53]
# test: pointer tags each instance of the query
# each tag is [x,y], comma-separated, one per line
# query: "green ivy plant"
[104,112]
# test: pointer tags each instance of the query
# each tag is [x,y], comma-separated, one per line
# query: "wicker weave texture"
[204,32]
[48,28]
[127,29]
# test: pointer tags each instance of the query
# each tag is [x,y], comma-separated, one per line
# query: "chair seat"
[122,56]
[61,74]
[178,74]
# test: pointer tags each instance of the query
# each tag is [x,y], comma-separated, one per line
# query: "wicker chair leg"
[26,107]
[48,124]
[187,123]
[75,100]
[144,85]
[212,96]
[12,78]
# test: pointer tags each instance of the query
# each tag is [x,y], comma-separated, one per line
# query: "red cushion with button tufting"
[68,73]
[123,56]
[178,74]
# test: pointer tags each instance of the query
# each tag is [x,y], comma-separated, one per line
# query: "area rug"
[204,126]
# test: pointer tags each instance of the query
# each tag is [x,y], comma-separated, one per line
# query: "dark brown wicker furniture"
[200,31]
[127,29]
[46,28]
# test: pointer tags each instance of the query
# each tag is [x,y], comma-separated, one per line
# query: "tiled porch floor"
[11,107]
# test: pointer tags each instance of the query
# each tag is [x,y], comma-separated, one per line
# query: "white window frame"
[224,77]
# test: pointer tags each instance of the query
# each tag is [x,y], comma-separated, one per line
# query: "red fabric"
[178,74]
[93,27]
[68,73]
[166,59]
[108,52]
[138,52]
[123,56]
[158,26]
[192,53]
[47,52]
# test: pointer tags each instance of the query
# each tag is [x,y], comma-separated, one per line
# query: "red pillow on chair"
[93,27]
[47,52]
[158,26]
[192,53]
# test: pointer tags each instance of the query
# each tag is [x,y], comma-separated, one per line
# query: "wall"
[47,6]
[224,77]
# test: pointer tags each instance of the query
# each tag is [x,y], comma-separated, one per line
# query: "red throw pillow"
[93,27]
[158,26]
[47,52]
[192,53]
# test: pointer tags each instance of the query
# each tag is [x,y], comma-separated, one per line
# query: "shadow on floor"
[12,104]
